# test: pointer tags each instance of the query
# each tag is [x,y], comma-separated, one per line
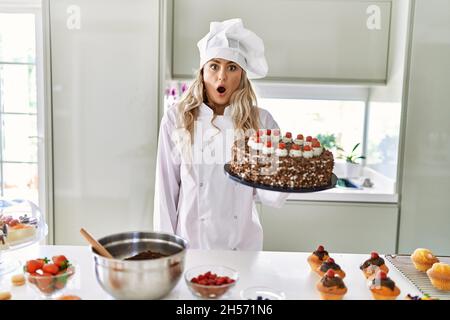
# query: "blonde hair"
[244,113]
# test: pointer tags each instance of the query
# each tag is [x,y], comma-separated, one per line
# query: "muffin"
[383,288]
[439,275]
[372,266]
[330,264]
[331,286]
[423,259]
[317,257]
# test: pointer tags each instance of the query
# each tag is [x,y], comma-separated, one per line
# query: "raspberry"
[330,273]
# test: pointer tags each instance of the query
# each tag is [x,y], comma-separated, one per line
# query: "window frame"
[35,7]
[279,90]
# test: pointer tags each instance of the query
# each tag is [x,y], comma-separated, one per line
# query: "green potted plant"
[353,168]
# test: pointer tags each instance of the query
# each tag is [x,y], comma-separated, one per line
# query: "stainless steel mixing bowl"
[140,279]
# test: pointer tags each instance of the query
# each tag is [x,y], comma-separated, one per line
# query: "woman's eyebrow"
[217,61]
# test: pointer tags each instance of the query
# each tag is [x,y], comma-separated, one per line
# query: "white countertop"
[286,271]
[382,191]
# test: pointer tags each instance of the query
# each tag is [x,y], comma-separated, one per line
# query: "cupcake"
[371,266]
[331,286]
[383,288]
[330,264]
[423,259]
[317,257]
[439,275]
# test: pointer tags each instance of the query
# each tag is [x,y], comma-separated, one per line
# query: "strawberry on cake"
[270,158]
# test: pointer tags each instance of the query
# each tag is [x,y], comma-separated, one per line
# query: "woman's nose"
[222,74]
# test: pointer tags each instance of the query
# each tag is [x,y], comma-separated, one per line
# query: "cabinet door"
[340,227]
[104,64]
[330,41]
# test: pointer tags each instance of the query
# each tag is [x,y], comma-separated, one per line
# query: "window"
[343,120]
[383,137]
[18,106]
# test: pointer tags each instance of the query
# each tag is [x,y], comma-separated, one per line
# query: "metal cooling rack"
[405,266]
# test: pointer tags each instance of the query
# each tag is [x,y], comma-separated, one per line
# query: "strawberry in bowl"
[49,277]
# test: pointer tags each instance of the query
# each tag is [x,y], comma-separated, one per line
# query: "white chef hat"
[231,41]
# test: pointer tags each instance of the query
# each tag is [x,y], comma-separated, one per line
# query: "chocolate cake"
[269,159]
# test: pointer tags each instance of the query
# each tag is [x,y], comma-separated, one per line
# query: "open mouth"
[221,89]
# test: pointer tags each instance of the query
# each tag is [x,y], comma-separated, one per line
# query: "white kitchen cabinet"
[425,178]
[305,40]
[104,73]
[340,227]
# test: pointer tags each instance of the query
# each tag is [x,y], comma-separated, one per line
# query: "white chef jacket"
[197,201]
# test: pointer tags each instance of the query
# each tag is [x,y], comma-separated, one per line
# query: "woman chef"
[194,199]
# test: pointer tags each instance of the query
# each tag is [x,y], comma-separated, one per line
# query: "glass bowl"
[50,286]
[262,293]
[211,282]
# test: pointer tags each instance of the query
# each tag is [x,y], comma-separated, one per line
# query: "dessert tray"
[21,224]
[236,178]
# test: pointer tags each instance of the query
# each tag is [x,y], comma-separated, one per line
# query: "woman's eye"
[233,68]
[213,66]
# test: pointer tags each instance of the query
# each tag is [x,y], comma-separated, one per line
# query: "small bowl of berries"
[49,277]
[211,282]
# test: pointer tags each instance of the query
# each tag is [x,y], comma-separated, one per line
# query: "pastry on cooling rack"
[423,259]
[439,275]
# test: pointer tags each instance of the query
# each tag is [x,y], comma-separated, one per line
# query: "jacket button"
[201,184]
[235,217]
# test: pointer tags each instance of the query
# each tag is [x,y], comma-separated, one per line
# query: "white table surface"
[285,271]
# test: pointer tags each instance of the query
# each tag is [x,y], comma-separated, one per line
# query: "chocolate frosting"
[377,261]
[332,282]
[384,283]
[329,265]
[320,254]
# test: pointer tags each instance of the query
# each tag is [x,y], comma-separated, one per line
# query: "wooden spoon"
[95,244]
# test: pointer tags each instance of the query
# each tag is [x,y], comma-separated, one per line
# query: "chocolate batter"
[147,255]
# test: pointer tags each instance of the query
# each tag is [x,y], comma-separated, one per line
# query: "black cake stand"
[240,180]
